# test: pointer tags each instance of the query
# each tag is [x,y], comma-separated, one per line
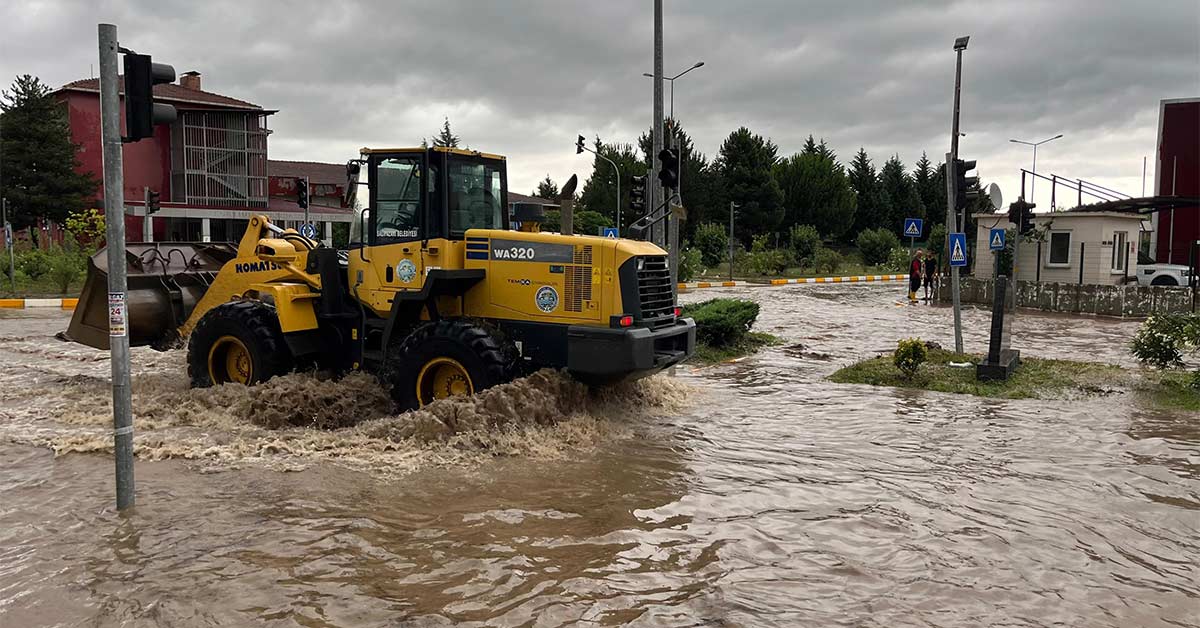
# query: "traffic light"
[637,195]
[141,112]
[153,204]
[1020,214]
[966,188]
[668,172]
[579,145]
[302,192]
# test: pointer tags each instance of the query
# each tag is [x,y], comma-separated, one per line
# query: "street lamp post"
[616,172]
[1033,184]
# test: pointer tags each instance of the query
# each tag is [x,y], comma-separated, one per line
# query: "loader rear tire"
[447,358]
[237,342]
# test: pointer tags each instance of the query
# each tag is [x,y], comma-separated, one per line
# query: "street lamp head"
[1057,136]
[961,42]
[647,74]
[698,64]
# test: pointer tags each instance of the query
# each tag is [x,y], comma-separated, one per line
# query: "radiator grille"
[656,297]
[579,279]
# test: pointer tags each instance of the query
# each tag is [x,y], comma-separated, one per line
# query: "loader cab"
[417,194]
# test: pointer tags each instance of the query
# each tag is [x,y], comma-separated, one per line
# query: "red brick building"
[1177,173]
[210,166]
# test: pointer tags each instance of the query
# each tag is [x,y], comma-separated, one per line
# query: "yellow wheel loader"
[435,294]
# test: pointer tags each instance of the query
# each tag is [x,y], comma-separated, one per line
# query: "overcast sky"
[523,78]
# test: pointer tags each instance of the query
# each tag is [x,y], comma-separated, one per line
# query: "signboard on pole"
[996,239]
[958,249]
[308,230]
[609,232]
[913,227]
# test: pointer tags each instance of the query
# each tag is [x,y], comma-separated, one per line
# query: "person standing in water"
[915,270]
[931,275]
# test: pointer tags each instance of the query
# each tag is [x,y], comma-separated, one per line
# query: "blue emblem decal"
[406,270]
[546,299]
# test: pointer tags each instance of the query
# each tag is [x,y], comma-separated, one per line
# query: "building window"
[1060,248]
[219,158]
[1120,251]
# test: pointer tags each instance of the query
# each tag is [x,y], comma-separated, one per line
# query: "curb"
[783,282]
[24,304]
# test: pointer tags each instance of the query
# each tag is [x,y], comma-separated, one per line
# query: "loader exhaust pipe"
[165,281]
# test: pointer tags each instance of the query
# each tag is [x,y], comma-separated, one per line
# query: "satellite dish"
[993,194]
[568,188]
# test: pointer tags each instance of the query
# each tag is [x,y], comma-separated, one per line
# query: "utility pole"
[114,217]
[147,224]
[951,195]
[658,229]
[732,205]
[8,243]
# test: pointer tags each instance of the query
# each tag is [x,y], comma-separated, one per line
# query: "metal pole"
[307,201]
[8,242]
[114,216]
[1053,190]
[951,224]
[1171,215]
[147,226]
[1033,181]
[731,206]
[1143,176]
[657,231]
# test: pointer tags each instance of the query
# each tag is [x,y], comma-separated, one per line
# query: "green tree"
[816,192]
[588,222]
[876,245]
[713,242]
[805,241]
[931,188]
[865,182]
[547,189]
[38,156]
[446,137]
[600,190]
[744,166]
[898,195]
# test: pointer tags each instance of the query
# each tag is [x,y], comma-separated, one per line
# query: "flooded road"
[747,494]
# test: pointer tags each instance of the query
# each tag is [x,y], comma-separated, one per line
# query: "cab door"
[396,225]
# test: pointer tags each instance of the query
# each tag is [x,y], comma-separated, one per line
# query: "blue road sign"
[912,227]
[308,230]
[958,249]
[996,239]
[610,232]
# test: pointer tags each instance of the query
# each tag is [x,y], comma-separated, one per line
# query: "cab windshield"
[474,195]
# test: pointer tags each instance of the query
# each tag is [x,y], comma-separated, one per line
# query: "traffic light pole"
[147,224]
[114,218]
[8,243]
[657,194]
[308,199]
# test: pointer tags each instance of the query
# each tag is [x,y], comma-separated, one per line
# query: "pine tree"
[39,159]
[446,137]
[810,146]
[898,195]
[547,189]
[744,165]
[816,192]
[865,182]
[931,187]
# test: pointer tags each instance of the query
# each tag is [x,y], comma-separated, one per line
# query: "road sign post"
[913,228]
[958,250]
[996,239]
[610,232]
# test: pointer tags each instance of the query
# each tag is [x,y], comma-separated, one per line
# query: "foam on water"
[292,421]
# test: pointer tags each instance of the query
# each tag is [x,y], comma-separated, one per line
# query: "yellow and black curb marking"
[784,282]
[25,304]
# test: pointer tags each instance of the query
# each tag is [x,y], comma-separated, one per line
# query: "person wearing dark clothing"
[931,274]
[915,270]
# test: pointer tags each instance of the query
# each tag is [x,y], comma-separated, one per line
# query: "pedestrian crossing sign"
[912,227]
[996,240]
[958,249]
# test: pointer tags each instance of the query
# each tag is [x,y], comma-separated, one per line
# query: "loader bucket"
[164,282]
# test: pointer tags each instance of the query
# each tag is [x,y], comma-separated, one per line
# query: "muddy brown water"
[748,494]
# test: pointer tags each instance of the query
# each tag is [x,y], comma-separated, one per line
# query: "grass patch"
[753,341]
[1171,389]
[1036,378]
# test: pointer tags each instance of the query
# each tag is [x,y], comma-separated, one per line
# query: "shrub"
[897,260]
[909,356]
[1163,339]
[876,245]
[722,322]
[34,263]
[87,225]
[805,241]
[713,244]
[827,261]
[66,267]
[689,264]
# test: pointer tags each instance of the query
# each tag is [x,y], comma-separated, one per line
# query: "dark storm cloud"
[523,78]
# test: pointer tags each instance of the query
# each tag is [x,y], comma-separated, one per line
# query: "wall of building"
[1104,300]
[1177,172]
[1094,231]
[146,163]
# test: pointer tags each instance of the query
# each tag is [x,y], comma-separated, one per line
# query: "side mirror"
[362,231]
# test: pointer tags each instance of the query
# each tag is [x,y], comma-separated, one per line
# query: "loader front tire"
[237,342]
[447,358]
